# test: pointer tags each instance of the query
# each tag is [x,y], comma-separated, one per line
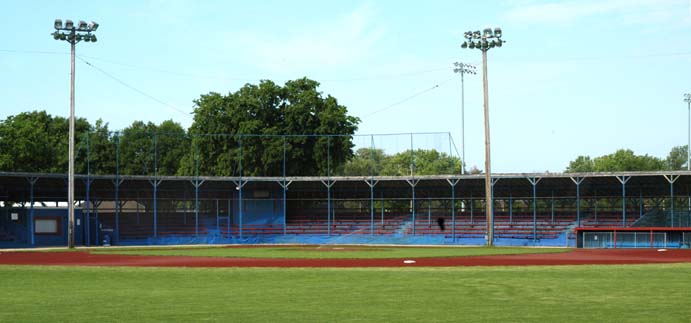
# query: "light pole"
[484,41]
[687,99]
[72,34]
[462,69]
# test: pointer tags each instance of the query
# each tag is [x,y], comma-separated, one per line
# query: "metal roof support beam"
[623,180]
[32,181]
[471,208]
[552,207]
[117,182]
[284,185]
[578,181]
[87,183]
[534,181]
[510,208]
[671,179]
[381,198]
[196,183]
[239,185]
[640,203]
[453,183]
[328,183]
[490,215]
[371,183]
[597,204]
[155,183]
[97,204]
[228,218]
[412,182]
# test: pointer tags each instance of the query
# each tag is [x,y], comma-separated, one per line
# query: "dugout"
[634,237]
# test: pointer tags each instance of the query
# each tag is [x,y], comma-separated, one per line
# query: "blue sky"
[574,77]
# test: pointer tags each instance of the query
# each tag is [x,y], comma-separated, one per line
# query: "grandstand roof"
[53,187]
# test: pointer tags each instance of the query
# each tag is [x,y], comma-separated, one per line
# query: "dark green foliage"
[268,111]
[375,162]
[677,158]
[38,142]
[148,149]
[622,160]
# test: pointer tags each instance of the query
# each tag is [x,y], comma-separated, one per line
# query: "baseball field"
[353,284]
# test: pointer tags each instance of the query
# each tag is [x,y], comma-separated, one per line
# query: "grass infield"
[628,293]
[328,251]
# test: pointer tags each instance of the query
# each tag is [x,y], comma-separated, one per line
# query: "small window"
[47,225]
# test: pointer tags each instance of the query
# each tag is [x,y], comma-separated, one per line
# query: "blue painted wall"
[20,229]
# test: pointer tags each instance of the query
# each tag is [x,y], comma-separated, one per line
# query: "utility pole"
[72,34]
[462,69]
[484,41]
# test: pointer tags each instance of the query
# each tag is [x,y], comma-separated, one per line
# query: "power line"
[247,79]
[134,88]
[407,98]
[178,73]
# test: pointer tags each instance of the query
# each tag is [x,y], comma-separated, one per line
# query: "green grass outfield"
[621,293]
[327,251]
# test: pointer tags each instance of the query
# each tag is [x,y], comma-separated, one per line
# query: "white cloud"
[344,41]
[631,11]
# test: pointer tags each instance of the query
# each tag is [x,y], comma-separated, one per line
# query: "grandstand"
[435,209]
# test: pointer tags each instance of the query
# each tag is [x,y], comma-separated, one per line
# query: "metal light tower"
[463,69]
[687,99]
[72,34]
[484,41]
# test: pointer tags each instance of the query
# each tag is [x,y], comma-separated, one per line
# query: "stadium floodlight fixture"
[68,32]
[82,26]
[497,32]
[484,41]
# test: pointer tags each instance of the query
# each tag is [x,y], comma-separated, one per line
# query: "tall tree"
[620,161]
[582,164]
[677,158]
[136,149]
[171,145]
[148,149]
[427,162]
[96,151]
[242,131]
[365,162]
[38,142]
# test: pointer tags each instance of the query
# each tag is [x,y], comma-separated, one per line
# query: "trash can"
[107,235]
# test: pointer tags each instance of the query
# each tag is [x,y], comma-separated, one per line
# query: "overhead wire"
[123,83]
[407,98]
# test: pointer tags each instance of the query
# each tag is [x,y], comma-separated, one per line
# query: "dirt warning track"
[574,257]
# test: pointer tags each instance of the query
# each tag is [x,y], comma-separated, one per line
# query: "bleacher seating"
[345,221]
[610,219]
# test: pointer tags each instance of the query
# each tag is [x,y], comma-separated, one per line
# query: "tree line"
[237,132]
[626,160]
